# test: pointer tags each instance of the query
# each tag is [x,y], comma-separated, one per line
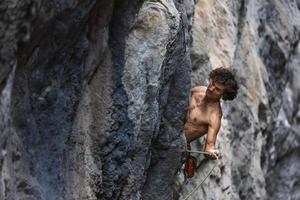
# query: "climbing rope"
[199,185]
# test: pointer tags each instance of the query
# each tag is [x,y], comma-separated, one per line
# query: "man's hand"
[212,154]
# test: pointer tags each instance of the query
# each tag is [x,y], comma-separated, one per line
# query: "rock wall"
[93,96]
[259,138]
[93,102]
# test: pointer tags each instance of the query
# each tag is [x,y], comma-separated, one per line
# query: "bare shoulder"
[215,118]
[216,111]
[199,88]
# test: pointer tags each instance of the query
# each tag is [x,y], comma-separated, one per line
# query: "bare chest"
[199,115]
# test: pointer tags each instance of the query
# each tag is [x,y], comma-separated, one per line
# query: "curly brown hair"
[226,77]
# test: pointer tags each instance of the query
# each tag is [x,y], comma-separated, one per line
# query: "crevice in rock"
[241,19]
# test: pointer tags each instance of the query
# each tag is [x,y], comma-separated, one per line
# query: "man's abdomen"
[193,131]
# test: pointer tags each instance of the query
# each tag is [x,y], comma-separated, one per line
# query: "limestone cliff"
[93,103]
[260,134]
[93,98]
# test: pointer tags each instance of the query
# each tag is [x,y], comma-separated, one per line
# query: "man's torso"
[198,117]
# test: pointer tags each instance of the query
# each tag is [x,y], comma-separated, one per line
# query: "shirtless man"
[205,112]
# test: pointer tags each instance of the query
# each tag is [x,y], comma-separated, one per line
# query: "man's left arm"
[213,129]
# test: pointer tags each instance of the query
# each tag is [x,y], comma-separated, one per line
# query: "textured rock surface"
[260,131]
[93,96]
[94,107]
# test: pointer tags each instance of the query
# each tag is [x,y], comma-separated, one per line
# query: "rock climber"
[205,112]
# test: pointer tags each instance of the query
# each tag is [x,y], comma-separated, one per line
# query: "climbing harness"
[199,185]
[190,166]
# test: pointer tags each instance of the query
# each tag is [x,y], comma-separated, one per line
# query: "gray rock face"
[93,98]
[259,138]
[94,107]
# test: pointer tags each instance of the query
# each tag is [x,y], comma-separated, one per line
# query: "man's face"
[215,90]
